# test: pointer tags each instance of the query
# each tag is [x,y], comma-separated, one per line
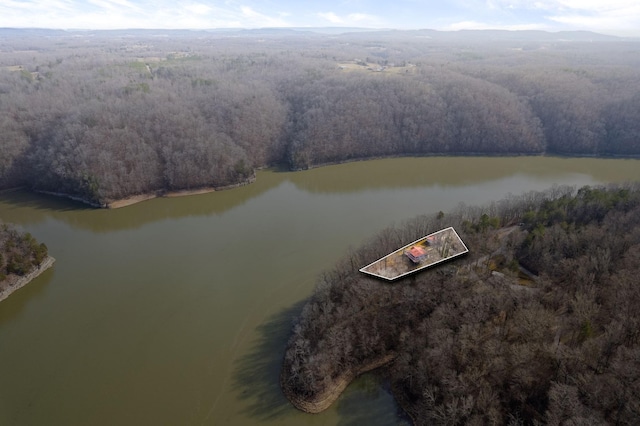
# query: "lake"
[176,311]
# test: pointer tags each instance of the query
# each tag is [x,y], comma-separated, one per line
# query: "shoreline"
[324,400]
[470,154]
[400,398]
[14,283]
[135,199]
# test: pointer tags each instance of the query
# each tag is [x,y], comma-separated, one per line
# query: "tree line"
[103,116]
[19,252]
[482,340]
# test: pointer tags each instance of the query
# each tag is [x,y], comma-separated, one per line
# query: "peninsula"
[547,294]
[22,259]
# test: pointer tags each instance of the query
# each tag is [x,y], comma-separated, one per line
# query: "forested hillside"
[106,115]
[482,340]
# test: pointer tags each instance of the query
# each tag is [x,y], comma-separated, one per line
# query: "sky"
[617,17]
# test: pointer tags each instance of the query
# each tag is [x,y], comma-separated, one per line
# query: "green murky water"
[176,311]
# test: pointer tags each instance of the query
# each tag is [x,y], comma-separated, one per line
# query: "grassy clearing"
[361,66]
[13,68]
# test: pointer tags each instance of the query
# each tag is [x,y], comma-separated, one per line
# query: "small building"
[426,252]
[416,253]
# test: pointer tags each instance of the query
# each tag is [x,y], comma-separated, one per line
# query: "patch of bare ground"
[144,197]
[172,194]
[15,282]
[124,202]
[323,400]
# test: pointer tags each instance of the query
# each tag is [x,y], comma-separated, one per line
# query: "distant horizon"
[613,17]
[318,29]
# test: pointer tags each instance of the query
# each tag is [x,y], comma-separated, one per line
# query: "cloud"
[560,6]
[114,4]
[615,17]
[109,14]
[351,19]
[579,14]
[475,25]
[331,17]
[34,8]
[257,19]
[604,16]
[607,16]
[198,8]
[363,17]
[608,23]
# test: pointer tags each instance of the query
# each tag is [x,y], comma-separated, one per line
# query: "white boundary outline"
[429,265]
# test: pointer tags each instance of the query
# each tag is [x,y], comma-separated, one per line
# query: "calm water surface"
[176,311]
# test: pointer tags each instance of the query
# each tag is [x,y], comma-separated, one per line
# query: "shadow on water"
[25,207]
[11,307]
[367,402]
[257,380]
[37,201]
[257,374]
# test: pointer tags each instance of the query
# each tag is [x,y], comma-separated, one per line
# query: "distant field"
[360,66]
[13,68]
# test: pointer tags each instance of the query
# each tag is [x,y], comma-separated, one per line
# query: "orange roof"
[417,251]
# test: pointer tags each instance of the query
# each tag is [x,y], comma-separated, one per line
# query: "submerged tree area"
[107,115]
[539,324]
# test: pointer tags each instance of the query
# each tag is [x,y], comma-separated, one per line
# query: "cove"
[177,310]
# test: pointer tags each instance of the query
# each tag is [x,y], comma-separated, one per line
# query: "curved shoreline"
[324,400]
[124,202]
[11,284]
[116,204]
[135,199]
[470,154]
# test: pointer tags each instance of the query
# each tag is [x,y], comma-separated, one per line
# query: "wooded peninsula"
[108,115]
[22,259]
[539,324]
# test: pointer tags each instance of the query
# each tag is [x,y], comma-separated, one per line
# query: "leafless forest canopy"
[106,115]
[19,252]
[478,341]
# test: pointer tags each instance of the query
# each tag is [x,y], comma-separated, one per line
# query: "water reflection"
[22,298]
[398,173]
[26,208]
[163,312]
[257,373]
[257,376]
[367,401]
[415,172]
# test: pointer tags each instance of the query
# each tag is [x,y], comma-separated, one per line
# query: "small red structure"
[416,253]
